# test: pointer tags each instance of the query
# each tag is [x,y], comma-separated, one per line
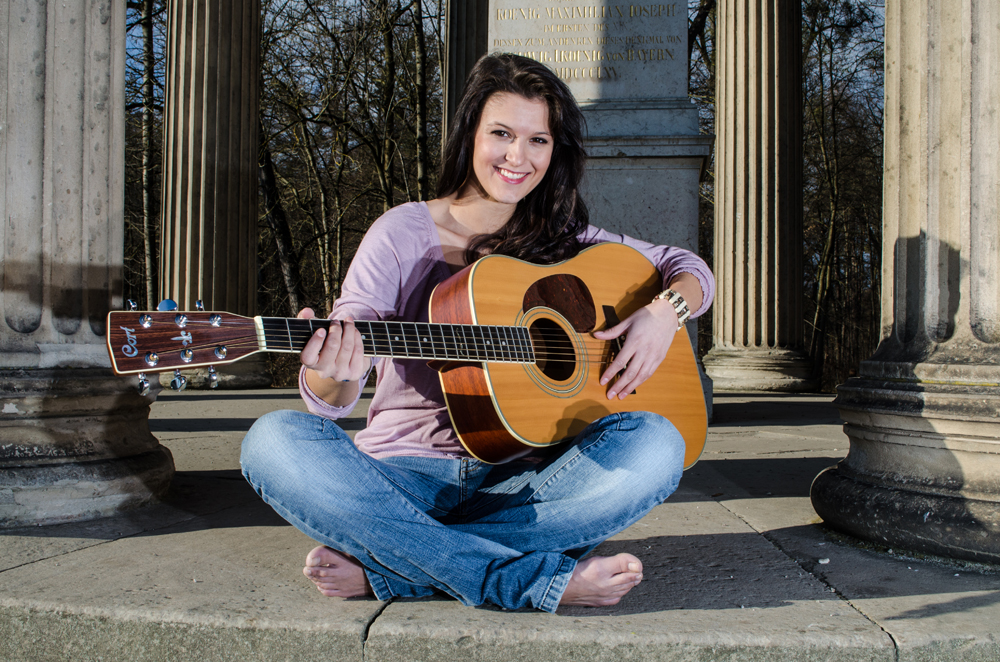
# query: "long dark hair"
[545,224]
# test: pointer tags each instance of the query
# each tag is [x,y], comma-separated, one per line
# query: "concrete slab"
[714,589]
[737,568]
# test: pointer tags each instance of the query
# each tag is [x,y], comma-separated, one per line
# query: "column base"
[75,445]
[753,369]
[923,471]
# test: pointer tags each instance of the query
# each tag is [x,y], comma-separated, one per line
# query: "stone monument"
[627,66]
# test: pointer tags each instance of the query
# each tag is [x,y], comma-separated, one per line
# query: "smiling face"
[513,147]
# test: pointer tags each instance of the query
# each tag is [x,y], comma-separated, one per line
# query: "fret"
[469,335]
[529,352]
[461,348]
[491,350]
[495,345]
[424,341]
[478,346]
[420,337]
[488,352]
[388,340]
[365,329]
[275,335]
[397,339]
[509,349]
[508,336]
[413,348]
[518,342]
[496,335]
[515,346]
[446,351]
[380,339]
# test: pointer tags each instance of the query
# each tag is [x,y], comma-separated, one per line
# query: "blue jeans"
[507,534]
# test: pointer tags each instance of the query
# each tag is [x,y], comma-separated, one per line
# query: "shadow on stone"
[763,478]
[776,409]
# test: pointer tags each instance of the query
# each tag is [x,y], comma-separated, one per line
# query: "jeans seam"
[556,578]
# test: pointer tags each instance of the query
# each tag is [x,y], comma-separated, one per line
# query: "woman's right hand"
[336,354]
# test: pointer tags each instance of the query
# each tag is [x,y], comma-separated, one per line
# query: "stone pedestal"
[209,223]
[74,439]
[758,337]
[627,68]
[923,416]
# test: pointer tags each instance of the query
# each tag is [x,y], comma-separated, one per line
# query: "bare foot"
[600,581]
[336,574]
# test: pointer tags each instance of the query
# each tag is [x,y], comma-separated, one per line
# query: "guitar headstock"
[160,341]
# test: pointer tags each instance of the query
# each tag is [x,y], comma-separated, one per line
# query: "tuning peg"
[167,305]
[213,377]
[179,381]
[199,305]
[131,305]
[143,387]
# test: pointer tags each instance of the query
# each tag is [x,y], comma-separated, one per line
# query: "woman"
[404,510]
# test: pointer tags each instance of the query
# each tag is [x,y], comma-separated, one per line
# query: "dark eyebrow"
[504,126]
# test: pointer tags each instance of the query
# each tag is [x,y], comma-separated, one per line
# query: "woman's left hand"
[650,330]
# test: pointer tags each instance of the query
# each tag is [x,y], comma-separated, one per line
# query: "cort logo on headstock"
[129,350]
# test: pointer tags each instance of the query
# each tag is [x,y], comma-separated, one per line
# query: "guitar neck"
[408,340]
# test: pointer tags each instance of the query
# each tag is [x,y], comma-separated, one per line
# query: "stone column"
[209,226]
[465,33]
[74,440]
[757,329]
[923,416]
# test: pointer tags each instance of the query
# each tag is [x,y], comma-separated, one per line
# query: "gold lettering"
[518,13]
[593,73]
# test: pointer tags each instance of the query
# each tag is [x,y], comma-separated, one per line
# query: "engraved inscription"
[612,51]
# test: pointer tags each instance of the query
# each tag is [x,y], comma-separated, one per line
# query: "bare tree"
[144,109]
[842,99]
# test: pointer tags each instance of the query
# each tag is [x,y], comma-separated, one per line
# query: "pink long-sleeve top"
[397,266]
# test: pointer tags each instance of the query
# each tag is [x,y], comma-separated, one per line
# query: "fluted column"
[74,439]
[758,199]
[209,226]
[466,35]
[923,417]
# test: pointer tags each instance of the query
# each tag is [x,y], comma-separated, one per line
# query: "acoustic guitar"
[510,340]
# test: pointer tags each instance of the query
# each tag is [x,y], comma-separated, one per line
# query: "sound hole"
[554,352]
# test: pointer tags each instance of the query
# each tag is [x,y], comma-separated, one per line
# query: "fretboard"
[411,340]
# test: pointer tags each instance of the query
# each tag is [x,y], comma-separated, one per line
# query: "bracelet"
[679,304]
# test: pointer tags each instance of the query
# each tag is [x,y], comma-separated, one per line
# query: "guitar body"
[502,411]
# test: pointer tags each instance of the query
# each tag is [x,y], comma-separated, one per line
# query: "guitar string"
[477,342]
[441,354]
[305,333]
[555,336]
[384,348]
[382,345]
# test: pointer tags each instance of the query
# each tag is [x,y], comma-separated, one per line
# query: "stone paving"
[737,567]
